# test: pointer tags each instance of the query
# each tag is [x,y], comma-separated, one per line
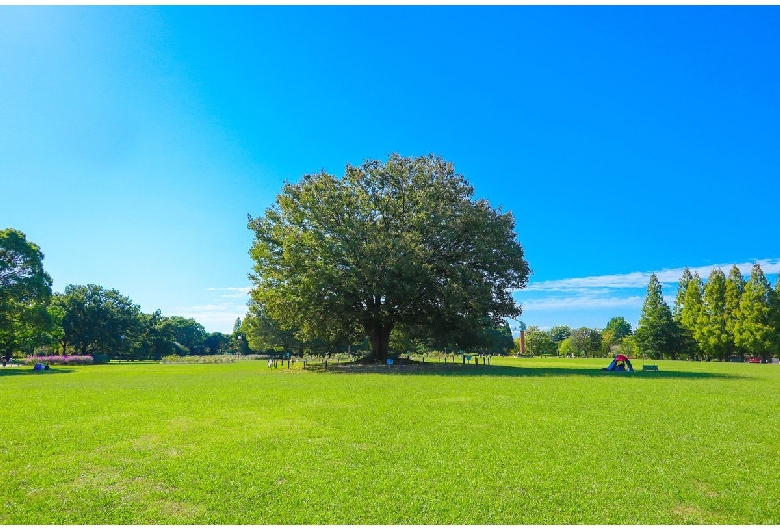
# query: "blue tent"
[619,364]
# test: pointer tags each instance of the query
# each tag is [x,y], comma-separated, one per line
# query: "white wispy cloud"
[582,302]
[635,280]
[219,311]
[236,291]
[214,317]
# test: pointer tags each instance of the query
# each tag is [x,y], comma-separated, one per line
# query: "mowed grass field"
[542,441]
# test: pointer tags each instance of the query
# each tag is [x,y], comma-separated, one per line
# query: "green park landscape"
[375,380]
[518,441]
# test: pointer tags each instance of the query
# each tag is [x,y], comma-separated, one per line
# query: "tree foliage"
[394,243]
[585,341]
[657,334]
[689,317]
[754,330]
[85,319]
[496,340]
[539,342]
[98,320]
[560,333]
[25,291]
[735,286]
[263,333]
[188,335]
[724,318]
[682,290]
[613,334]
[713,336]
[150,338]
[619,327]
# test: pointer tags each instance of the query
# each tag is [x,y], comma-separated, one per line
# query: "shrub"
[198,359]
[60,359]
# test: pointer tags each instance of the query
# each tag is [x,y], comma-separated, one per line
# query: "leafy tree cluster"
[85,319]
[615,338]
[25,292]
[397,252]
[722,318]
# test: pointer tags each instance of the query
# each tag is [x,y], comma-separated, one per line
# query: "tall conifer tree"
[657,334]
[714,338]
[753,331]
[775,302]
[682,289]
[689,316]
[735,286]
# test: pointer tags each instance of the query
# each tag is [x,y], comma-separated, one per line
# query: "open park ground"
[522,441]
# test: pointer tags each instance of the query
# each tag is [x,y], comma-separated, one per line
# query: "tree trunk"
[379,335]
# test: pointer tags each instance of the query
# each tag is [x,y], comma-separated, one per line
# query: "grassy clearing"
[522,441]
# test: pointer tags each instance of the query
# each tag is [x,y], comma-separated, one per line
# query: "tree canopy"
[86,319]
[97,320]
[540,342]
[722,319]
[657,333]
[25,290]
[619,328]
[755,331]
[389,243]
[714,338]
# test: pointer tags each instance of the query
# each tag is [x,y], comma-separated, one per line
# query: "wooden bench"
[650,368]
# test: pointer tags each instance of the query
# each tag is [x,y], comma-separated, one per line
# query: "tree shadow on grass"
[470,370]
[28,370]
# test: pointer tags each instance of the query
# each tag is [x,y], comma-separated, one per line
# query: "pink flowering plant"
[59,359]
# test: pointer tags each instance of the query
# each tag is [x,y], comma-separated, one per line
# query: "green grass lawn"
[522,441]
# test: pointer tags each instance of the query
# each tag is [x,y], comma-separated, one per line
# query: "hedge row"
[60,359]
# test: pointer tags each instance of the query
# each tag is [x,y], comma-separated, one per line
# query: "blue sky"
[135,140]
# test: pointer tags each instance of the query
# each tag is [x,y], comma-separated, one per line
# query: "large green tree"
[689,316]
[560,333]
[98,320]
[390,243]
[188,335]
[539,342]
[586,341]
[25,291]
[735,286]
[152,338]
[754,331]
[496,339]
[713,336]
[217,343]
[262,333]
[657,334]
[775,303]
[682,289]
[238,339]
[617,329]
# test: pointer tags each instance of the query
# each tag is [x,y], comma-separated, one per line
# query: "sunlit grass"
[520,441]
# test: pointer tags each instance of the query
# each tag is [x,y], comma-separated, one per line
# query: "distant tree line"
[720,319]
[87,319]
[724,318]
[616,337]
